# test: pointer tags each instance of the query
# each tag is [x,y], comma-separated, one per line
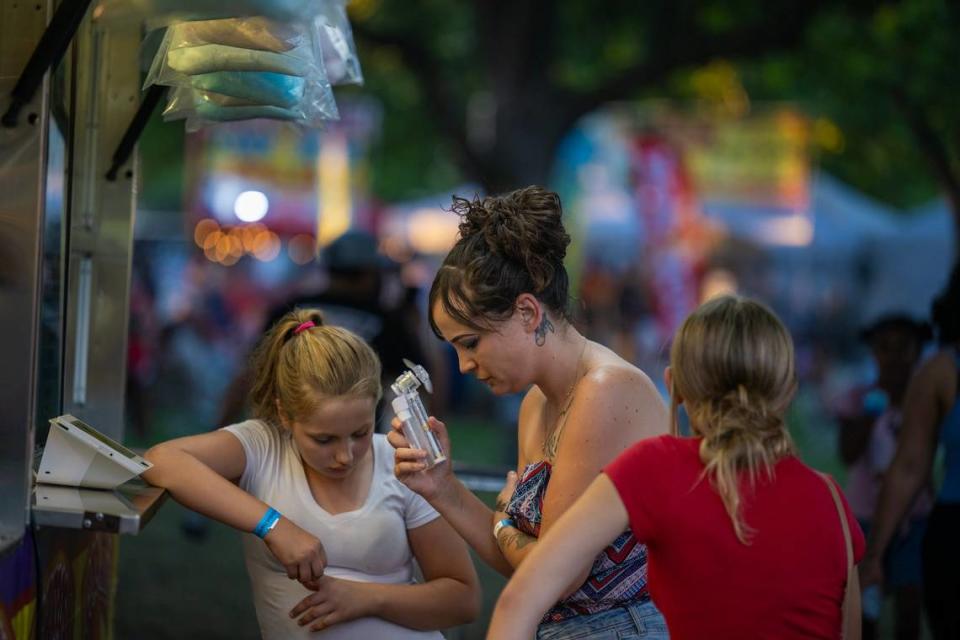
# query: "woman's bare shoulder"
[938,373]
[620,394]
[615,376]
[941,365]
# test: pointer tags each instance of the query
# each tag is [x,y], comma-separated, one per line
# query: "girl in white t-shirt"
[335,533]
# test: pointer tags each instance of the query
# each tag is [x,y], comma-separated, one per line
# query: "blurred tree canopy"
[890,82]
[484,91]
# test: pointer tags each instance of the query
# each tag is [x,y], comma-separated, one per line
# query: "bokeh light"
[251,206]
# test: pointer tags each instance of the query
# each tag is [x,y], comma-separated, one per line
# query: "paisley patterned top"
[619,574]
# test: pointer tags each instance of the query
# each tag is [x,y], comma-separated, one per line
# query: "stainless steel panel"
[126,509]
[81,350]
[23,157]
[107,86]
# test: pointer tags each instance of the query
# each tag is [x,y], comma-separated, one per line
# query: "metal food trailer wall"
[66,232]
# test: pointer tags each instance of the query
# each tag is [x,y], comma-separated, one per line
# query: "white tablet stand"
[78,455]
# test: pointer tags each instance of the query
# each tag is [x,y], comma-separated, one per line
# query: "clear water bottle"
[413,416]
[871,601]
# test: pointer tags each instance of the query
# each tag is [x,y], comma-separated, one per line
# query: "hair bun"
[738,415]
[523,226]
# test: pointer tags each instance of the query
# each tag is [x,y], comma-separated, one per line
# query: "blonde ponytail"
[732,365]
[300,361]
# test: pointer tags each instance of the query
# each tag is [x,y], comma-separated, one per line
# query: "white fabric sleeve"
[417,511]
[257,439]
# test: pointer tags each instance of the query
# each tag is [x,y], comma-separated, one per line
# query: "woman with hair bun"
[745,541]
[335,535]
[500,298]
[931,417]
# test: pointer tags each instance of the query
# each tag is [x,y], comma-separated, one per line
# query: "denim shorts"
[638,620]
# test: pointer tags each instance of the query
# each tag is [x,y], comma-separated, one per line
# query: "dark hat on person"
[897,321]
[354,251]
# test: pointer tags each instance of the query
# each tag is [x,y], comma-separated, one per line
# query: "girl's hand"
[299,551]
[410,468]
[333,601]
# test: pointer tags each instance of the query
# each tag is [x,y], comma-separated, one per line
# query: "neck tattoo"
[540,333]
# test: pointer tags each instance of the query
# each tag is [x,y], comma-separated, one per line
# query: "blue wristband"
[267,523]
[505,522]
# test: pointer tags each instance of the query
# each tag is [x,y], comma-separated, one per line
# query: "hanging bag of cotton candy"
[202,107]
[244,68]
[156,13]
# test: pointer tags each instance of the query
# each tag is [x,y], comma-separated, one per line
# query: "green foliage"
[857,69]
[161,164]
[872,76]
[865,74]
[408,158]
[836,62]
[591,49]
[852,75]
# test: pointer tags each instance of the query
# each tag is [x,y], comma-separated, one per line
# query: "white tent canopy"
[911,266]
[889,261]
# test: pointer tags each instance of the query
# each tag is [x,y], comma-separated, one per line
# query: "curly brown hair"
[509,244]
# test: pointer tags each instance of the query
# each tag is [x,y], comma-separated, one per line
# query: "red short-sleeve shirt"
[787,583]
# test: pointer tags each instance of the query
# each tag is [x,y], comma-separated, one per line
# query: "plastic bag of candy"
[241,68]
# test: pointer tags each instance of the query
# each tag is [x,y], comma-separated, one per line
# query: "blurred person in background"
[188,388]
[745,540]
[352,299]
[143,341]
[336,536]
[501,299]
[870,418]
[931,415]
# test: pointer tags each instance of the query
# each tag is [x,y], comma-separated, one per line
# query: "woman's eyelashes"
[470,343]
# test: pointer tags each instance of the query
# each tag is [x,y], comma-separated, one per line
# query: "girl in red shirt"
[744,540]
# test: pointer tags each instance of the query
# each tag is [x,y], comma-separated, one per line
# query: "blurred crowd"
[193,324]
